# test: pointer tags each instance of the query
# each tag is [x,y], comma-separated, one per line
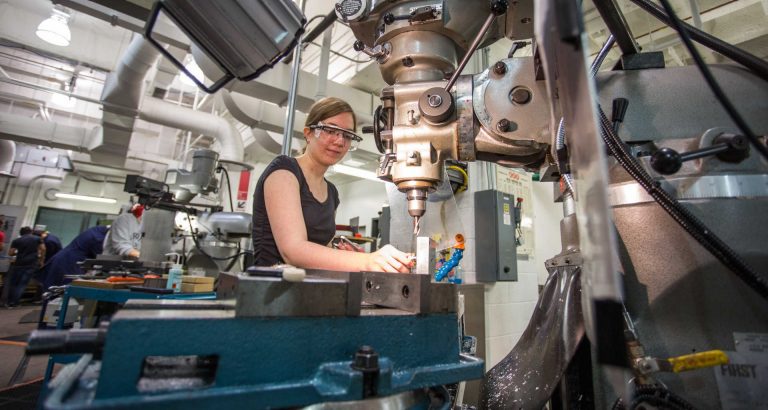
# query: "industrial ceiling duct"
[7,154]
[121,97]
[171,115]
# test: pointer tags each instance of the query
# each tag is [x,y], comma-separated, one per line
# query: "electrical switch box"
[495,248]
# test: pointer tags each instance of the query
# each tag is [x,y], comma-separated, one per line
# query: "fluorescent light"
[86,198]
[356,172]
[54,29]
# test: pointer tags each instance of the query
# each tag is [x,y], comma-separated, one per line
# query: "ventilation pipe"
[7,154]
[171,115]
[121,97]
[124,99]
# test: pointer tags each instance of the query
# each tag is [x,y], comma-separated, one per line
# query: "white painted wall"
[363,199]
[509,305]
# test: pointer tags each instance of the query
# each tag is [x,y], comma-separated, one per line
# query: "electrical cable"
[711,82]
[229,188]
[688,221]
[750,61]
[232,208]
[600,57]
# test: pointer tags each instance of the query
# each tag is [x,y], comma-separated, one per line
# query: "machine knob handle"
[727,147]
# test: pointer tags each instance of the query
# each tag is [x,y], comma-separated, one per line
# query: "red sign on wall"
[242,190]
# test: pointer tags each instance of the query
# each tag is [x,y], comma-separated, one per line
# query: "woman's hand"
[389,259]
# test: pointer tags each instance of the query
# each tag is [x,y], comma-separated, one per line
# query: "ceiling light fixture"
[86,198]
[356,172]
[54,29]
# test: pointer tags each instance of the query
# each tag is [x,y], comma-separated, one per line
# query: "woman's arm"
[283,203]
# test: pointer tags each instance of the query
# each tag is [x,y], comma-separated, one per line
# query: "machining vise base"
[211,359]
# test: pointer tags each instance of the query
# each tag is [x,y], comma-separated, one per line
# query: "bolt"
[408,61]
[503,125]
[434,100]
[366,359]
[500,68]
[525,20]
[520,95]
[413,118]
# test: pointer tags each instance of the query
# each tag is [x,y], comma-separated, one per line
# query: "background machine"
[208,237]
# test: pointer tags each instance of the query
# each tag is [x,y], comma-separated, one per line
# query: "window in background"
[66,224]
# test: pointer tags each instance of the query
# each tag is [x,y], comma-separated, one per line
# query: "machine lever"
[619,110]
[727,147]
[380,52]
[498,7]
[418,15]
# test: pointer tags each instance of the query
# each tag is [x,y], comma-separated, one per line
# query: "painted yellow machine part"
[698,360]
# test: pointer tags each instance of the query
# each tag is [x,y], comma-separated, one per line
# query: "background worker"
[87,245]
[52,242]
[29,251]
[124,237]
[2,234]
[294,205]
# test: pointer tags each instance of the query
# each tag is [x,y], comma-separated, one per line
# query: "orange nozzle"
[459,241]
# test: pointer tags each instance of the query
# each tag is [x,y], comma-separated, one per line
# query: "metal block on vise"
[412,293]
[320,294]
[425,256]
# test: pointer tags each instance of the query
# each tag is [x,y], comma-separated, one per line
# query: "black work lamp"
[234,38]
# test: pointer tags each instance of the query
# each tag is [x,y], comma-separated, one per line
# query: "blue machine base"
[262,362]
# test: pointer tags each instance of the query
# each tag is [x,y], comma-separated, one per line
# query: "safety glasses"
[329,133]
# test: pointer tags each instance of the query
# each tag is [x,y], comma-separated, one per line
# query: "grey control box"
[495,246]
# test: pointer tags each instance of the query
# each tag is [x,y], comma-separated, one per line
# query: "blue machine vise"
[274,344]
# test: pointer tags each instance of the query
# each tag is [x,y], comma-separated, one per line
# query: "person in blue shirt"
[29,251]
[52,243]
[86,245]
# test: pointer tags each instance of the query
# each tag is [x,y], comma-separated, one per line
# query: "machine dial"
[351,10]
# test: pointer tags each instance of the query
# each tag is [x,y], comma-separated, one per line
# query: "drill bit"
[415,235]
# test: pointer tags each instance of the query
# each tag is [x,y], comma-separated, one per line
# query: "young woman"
[294,206]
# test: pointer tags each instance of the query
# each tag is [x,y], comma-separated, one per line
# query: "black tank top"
[319,217]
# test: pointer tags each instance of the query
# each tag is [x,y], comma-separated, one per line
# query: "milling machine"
[636,248]
[216,235]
